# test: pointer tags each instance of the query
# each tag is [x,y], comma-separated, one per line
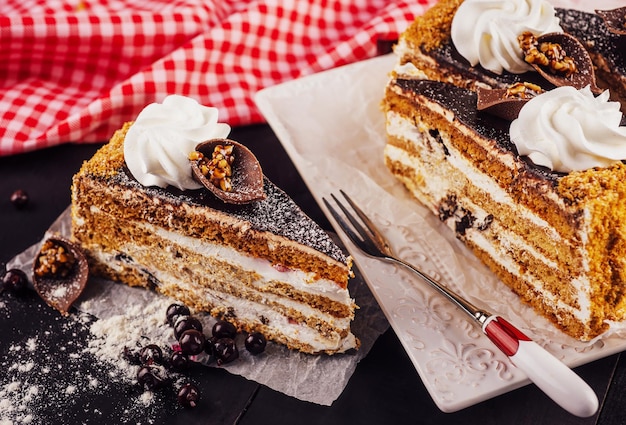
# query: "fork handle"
[551,375]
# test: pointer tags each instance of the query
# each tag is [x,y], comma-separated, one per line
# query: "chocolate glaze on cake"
[590,29]
[277,214]
[459,101]
[449,58]
[608,51]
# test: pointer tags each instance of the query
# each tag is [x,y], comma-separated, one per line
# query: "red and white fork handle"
[551,375]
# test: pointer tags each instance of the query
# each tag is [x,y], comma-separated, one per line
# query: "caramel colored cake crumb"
[432,29]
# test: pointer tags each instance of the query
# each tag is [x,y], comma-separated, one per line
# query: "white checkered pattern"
[75,70]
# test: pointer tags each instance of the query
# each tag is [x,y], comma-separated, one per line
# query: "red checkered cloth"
[75,70]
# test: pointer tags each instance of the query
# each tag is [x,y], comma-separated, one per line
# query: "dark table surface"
[384,389]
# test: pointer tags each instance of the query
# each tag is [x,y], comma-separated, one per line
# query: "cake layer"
[264,266]
[547,243]
[428,46]
[254,300]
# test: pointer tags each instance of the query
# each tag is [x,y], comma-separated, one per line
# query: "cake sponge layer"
[556,240]
[264,266]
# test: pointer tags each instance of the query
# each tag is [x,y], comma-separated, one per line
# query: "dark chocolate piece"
[615,19]
[247,177]
[582,76]
[60,273]
[497,103]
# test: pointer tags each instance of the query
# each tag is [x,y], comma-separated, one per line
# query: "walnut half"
[547,54]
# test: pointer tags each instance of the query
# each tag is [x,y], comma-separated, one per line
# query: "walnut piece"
[546,54]
[217,169]
[522,91]
[54,260]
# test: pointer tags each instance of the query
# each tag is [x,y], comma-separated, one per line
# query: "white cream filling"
[403,128]
[305,282]
[252,311]
[581,284]
[409,71]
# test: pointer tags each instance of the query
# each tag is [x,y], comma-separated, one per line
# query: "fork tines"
[362,233]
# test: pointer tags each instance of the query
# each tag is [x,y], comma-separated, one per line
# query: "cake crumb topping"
[109,159]
[432,29]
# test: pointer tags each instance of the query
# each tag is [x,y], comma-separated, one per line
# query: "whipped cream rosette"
[485,31]
[566,130]
[157,145]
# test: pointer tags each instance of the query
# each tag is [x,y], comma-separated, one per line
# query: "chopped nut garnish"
[546,54]
[522,91]
[54,260]
[218,169]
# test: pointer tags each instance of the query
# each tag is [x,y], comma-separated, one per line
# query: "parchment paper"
[317,379]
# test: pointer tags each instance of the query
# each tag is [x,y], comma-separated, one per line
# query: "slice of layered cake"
[472,43]
[143,219]
[540,200]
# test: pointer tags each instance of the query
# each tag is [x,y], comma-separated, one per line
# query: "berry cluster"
[155,368]
[154,372]
[220,345]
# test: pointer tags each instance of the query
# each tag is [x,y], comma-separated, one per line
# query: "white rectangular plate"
[332,127]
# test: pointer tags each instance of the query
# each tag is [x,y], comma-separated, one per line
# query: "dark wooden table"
[385,389]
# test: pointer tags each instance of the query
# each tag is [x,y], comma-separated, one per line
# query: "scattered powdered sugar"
[45,378]
[59,292]
[139,326]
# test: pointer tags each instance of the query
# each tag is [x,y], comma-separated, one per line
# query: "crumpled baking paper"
[317,379]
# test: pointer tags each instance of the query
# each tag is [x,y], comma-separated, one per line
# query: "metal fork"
[551,375]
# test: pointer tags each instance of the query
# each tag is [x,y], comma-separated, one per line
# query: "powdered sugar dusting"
[47,377]
[139,326]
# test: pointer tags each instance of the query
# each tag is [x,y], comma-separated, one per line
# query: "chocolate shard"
[246,179]
[614,19]
[583,76]
[495,102]
[60,273]
[506,103]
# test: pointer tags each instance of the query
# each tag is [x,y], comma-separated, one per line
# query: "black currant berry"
[14,280]
[225,351]
[191,342]
[175,310]
[184,323]
[178,361]
[188,395]
[148,377]
[255,343]
[150,354]
[224,329]
[209,346]
[19,199]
